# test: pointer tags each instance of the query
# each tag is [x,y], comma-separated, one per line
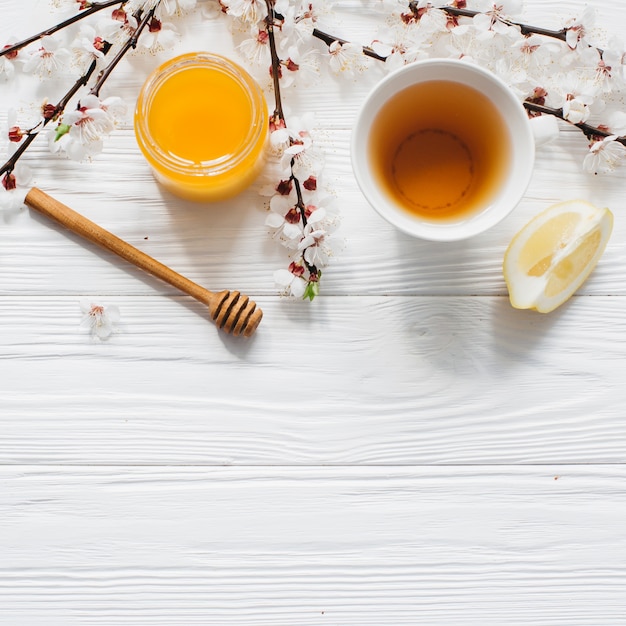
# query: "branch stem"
[9,166]
[131,42]
[269,28]
[94,8]
[589,130]
[330,39]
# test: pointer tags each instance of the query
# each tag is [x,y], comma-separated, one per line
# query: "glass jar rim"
[209,60]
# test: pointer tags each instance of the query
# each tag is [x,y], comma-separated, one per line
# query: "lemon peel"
[554,253]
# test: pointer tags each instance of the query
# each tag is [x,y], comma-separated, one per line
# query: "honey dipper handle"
[77,223]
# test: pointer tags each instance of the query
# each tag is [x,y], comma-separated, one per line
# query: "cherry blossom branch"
[50,112]
[526,29]
[130,43]
[94,8]
[330,39]
[457,9]
[278,121]
[591,132]
[53,112]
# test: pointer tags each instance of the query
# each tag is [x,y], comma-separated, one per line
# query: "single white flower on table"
[100,319]
[49,58]
[604,156]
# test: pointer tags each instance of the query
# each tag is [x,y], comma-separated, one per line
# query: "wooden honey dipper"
[231,311]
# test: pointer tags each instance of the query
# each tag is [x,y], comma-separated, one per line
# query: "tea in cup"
[443,149]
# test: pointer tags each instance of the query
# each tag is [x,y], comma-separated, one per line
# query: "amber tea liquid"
[440,150]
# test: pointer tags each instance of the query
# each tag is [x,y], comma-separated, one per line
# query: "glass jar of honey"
[201,122]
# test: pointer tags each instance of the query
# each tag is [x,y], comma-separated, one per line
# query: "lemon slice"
[551,257]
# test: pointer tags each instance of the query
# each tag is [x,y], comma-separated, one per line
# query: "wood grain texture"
[409,380]
[313,546]
[406,450]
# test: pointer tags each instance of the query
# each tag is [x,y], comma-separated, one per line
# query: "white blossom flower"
[14,187]
[300,67]
[300,20]
[604,156]
[289,282]
[158,36]
[69,4]
[256,47]
[306,161]
[346,58]
[81,132]
[132,6]
[101,320]
[49,59]
[399,48]
[285,220]
[493,20]
[249,11]
[597,71]
[431,19]
[614,55]
[576,109]
[316,245]
[7,66]
[617,123]
[578,27]
[168,8]
[88,46]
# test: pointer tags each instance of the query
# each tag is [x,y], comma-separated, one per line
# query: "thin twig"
[589,131]
[279,118]
[269,29]
[131,42]
[330,39]
[94,8]
[52,114]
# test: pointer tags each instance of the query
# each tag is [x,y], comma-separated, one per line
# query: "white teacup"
[442,149]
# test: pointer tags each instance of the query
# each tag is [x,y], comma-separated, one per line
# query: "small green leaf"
[62,129]
[312,289]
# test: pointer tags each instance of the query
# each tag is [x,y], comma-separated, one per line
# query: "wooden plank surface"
[313,546]
[405,450]
[409,380]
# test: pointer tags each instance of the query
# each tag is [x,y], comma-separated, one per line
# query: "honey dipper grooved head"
[236,314]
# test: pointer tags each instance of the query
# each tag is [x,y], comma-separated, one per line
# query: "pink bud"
[8,182]
[15,134]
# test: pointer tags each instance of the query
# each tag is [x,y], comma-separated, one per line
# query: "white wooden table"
[407,449]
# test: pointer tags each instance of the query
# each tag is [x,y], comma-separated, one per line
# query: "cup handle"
[545,129]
